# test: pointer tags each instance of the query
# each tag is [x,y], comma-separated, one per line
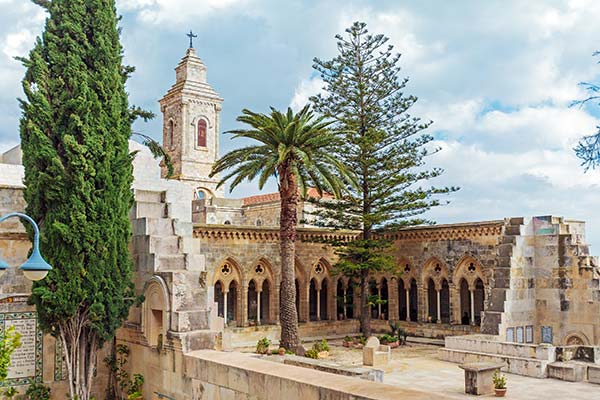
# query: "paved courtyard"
[416,367]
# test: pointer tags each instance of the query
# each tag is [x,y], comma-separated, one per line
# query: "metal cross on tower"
[191,36]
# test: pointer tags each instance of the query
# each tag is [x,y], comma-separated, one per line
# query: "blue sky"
[496,77]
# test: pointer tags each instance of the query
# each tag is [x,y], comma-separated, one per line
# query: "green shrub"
[311,353]
[321,346]
[348,339]
[38,391]
[499,380]
[395,327]
[262,346]
[385,339]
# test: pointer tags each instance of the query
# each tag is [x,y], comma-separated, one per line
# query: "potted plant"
[499,384]
[282,351]
[322,349]
[347,342]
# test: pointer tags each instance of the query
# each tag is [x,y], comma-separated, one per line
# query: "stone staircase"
[501,277]
[163,246]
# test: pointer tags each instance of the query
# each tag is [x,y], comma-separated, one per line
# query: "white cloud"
[175,11]
[306,89]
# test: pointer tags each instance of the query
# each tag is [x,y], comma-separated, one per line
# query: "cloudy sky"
[496,77]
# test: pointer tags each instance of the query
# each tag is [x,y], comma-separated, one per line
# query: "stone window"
[259,222]
[202,127]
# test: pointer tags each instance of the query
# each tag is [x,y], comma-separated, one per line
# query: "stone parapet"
[233,375]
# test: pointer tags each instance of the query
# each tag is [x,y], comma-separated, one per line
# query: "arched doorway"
[445,302]
[265,300]
[479,299]
[414,301]
[431,301]
[465,303]
[323,301]
[312,300]
[403,312]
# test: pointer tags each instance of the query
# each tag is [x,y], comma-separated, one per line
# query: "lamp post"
[35,268]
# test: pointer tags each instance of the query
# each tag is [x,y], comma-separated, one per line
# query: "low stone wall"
[489,344]
[426,330]
[222,375]
[248,336]
[520,359]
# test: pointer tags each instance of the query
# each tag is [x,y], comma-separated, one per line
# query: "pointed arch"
[470,269]
[156,311]
[436,270]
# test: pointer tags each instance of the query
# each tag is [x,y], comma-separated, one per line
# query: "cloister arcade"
[431,293]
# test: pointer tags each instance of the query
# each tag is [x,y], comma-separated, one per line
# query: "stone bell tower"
[191,126]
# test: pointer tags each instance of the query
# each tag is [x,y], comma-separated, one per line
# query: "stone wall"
[218,375]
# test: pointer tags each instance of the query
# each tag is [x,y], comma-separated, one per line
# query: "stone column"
[344,300]
[258,307]
[379,302]
[225,306]
[472,293]
[407,304]
[318,304]
[244,305]
[439,307]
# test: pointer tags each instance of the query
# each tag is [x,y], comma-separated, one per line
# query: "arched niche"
[155,311]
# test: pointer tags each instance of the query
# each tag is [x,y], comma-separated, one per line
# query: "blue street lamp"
[35,268]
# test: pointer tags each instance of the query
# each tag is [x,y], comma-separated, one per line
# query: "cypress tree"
[384,146]
[75,128]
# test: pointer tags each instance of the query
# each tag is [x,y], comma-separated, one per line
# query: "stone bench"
[478,377]
[567,371]
[375,354]
[594,373]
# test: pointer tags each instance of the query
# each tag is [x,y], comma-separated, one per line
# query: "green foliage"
[10,392]
[499,380]
[9,341]
[262,346]
[385,339]
[122,382]
[38,391]
[365,98]
[588,148]
[311,353]
[321,346]
[348,339]
[75,127]
[300,141]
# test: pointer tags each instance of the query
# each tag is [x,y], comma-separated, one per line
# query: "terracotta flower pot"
[500,392]
[282,351]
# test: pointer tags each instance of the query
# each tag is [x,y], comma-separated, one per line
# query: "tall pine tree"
[383,145]
[75,127]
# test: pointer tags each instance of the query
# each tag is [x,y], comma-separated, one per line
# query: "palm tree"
[296,150]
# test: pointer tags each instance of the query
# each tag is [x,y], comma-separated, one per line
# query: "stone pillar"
[472,294]
[258,307]
[407,304]
[274,306]
[244,305]
[318,304]
[225,306]
[439,307]
[393,303]
[344,300]
[379,302]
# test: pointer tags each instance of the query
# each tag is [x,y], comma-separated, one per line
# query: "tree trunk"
[288,316]
[365,309]
[80,345]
